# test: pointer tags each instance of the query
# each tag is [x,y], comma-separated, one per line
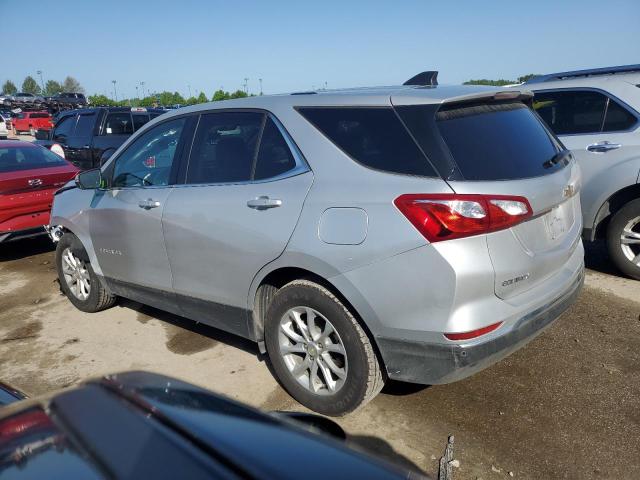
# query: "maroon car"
[29,176]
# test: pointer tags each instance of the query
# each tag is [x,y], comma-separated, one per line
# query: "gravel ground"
[565,406]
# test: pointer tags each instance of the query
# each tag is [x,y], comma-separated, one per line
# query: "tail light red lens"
[473,333]
[447,216]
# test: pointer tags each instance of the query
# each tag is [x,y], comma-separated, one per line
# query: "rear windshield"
[15,158]
[372,136]
[503,141]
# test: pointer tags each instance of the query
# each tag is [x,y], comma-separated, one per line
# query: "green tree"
[528,76]
[52,88]
[202,98]
[101,100]
[238,94]
[191,101]
[220,95]
[70,84]
[495,83]
[9,88]
[30,85]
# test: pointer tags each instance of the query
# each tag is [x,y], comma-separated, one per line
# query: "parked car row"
[59,101]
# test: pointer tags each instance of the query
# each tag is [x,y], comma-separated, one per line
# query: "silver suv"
[595,113]
[416,233]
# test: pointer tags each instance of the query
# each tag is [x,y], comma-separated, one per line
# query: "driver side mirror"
[89,179]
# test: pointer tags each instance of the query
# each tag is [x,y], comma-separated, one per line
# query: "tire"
[363,378]
[97,298]
[625,254]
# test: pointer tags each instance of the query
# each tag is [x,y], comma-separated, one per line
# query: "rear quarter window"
[497,141]
[372,136]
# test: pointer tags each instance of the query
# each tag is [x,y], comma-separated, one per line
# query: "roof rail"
[422,79]
[584,73]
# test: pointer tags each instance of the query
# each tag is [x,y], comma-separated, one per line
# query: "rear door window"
[372,136]
[497,141]
[224,148]
[139,119]
[118,123]
[571,112]
[618,118]
[274,155]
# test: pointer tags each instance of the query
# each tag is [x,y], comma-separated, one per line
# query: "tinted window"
[497,142]
[16,158]
[148,160]
[139,119]
[618,118]
[118,123]
[84,127]
[224,147]
[65,125]
[39,115]
[569,112]
[373,137]
[274,155]
[20,116]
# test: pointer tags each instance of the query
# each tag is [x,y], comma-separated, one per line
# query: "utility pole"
[246,88]
[137,91]
[39,72]
[142,86]
[260,80]
[189,86]
[115,92]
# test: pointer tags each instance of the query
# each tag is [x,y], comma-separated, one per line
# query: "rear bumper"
[431,363]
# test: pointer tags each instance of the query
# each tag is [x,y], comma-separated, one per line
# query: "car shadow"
[27,247]
[383,450]
[186,324]
[597,258]
[396,388]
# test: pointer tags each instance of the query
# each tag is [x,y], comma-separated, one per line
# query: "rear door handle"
[263,203]
[149,204]
[603,147]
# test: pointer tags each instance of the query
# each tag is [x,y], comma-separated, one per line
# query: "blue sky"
[296,45]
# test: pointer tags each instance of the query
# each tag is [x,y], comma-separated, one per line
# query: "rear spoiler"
[523,96]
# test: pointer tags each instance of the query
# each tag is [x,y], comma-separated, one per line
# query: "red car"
[32,121]
[29,176]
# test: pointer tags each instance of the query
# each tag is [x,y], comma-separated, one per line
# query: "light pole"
[39,72]
[115,92]
[260,80]
[246,88]
[189,87]
[142,86]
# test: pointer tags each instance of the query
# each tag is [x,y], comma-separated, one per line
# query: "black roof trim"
[430,77]
[584,73]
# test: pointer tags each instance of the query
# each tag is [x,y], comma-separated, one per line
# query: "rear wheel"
[77,279]
[623,239]
[318,350]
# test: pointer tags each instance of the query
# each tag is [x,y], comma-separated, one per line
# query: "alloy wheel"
[630,241]
[76,275]
[312,350]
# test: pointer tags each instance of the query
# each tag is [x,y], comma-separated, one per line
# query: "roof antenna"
[423,79]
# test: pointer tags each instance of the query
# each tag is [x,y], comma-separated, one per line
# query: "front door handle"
[603,147]
[148,204]
[263,203]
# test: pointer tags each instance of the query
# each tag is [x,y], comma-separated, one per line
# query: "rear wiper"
[561,156]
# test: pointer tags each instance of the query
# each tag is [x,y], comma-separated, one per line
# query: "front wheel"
[77,279]
[623,239]
[319,352]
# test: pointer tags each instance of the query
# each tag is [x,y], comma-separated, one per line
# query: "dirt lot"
[566,406]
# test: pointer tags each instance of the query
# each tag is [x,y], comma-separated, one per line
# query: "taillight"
[473,333]
[447,216]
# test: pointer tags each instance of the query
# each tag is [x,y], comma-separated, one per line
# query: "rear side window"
[84,127]
[139,120]
[618,118]
[39,115]
[274,155]
[373,137]
[497,141]
[571,112]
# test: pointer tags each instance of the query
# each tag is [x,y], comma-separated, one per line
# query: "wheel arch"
[274,279]
[610,207]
